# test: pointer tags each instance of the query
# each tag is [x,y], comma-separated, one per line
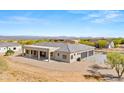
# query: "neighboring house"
[110,44]
[58,51]
[4,46]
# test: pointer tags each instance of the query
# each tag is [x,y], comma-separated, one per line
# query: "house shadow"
[94,73]
[98,67]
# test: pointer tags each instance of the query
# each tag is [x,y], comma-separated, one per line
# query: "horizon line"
[64,36]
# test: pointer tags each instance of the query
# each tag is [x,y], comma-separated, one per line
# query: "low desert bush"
[9,52]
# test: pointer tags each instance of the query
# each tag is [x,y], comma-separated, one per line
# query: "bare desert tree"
[116,60]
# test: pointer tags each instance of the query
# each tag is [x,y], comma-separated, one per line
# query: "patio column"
[48,55]
[22,51]
[87,53]
[38,55]
[93,52]
[29,53]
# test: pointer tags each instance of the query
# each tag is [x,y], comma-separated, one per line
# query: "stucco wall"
[4,49]
[55,56]
[77,55]
[60,57]
[68,59]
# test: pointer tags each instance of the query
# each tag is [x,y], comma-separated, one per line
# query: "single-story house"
[110,43]
[65,52]
[4,46]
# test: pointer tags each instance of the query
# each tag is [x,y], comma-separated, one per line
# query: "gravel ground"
[85,68]
[54,65]
[20,71]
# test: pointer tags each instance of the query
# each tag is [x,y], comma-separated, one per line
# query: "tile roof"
[6,44]
[66,47]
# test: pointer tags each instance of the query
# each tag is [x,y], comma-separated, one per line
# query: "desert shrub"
[102,43]
[118,41]
[9,52]
[116,61]
[87,42]
[29,42]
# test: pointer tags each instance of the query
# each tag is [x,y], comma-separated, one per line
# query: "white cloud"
[23,20]
[93,15]
[99,16]
[105,16]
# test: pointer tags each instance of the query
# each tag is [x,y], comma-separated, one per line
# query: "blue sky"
[78,23]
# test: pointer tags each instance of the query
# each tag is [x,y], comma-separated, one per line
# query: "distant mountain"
[18,37]
[34,37]
[44,37]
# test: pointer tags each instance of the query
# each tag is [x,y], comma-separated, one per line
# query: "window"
[35,52]
[90,53]
[27,51]
[83,54]
[78,53]
[51,54]
[58,54]
[31,51]
[14,48]
[71,56]
[64,56]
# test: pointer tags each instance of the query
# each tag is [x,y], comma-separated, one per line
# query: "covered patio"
[38,52]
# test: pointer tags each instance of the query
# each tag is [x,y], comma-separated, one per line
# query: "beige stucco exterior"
[58,55]
[77,55]
[16,49]
[52,53]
